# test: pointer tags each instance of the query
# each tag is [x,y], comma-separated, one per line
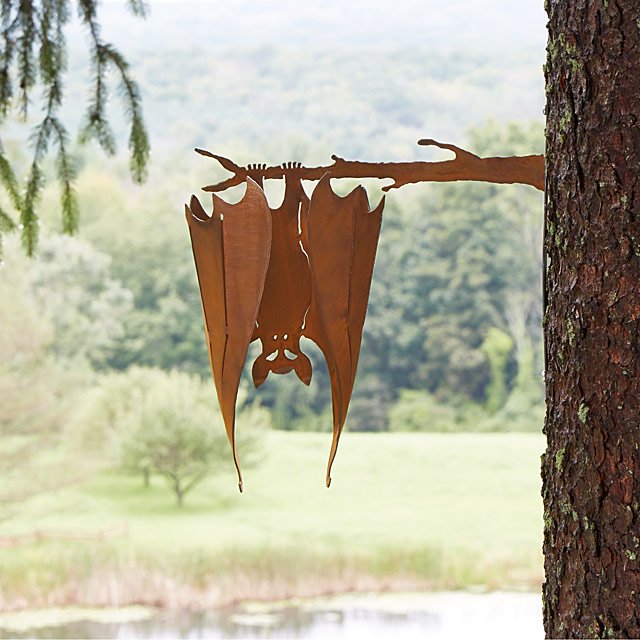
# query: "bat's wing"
[341,240]
[231,251]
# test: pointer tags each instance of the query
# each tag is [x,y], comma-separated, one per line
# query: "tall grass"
[89,574]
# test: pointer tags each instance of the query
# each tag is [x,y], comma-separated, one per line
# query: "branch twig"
[465,166]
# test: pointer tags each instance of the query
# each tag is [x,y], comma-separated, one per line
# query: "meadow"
[405,511]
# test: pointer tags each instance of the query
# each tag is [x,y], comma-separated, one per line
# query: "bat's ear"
[252,190]
[196,211]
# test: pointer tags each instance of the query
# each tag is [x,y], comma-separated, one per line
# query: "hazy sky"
[434,24]
[218,61]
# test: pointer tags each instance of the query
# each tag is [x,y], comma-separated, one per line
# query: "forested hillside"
[452,339]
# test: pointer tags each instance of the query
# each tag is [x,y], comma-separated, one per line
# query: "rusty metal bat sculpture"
[276,275]
[305,268]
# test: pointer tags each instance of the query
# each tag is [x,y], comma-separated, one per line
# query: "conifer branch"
[7,225]
[26,62]
[35,183]
[9,180]
[6,58]
[66,171]
[138,138]
[96,125]
[33,48]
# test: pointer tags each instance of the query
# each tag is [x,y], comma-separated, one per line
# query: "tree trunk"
[591,484]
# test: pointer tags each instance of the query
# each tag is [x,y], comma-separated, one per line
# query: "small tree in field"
[176,431]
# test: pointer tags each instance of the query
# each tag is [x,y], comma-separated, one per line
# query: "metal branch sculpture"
[465,166]
[305,269]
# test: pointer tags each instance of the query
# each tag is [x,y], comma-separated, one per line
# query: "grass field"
[404,510]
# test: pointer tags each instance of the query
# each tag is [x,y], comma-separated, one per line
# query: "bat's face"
[281,354]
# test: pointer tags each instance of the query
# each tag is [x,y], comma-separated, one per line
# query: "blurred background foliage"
[454,308]
[451,343]
[452,340]
[104,375]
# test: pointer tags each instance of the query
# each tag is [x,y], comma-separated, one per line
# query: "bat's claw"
[291,165]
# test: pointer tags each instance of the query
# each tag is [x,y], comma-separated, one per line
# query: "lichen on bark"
[590,471]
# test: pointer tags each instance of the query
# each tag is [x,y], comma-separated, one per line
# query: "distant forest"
[452,339]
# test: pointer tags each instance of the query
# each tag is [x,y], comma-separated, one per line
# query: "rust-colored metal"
[342,241]
[465,166]
[305,268]
[275,275]
[231,251]
[287,292]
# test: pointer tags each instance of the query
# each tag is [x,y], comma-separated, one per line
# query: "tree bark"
[591,484]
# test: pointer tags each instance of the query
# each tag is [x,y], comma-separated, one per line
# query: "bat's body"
[287,292]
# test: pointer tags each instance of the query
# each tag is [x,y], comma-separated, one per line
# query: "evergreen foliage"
[33,55]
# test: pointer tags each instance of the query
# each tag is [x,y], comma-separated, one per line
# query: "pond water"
[436,616]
